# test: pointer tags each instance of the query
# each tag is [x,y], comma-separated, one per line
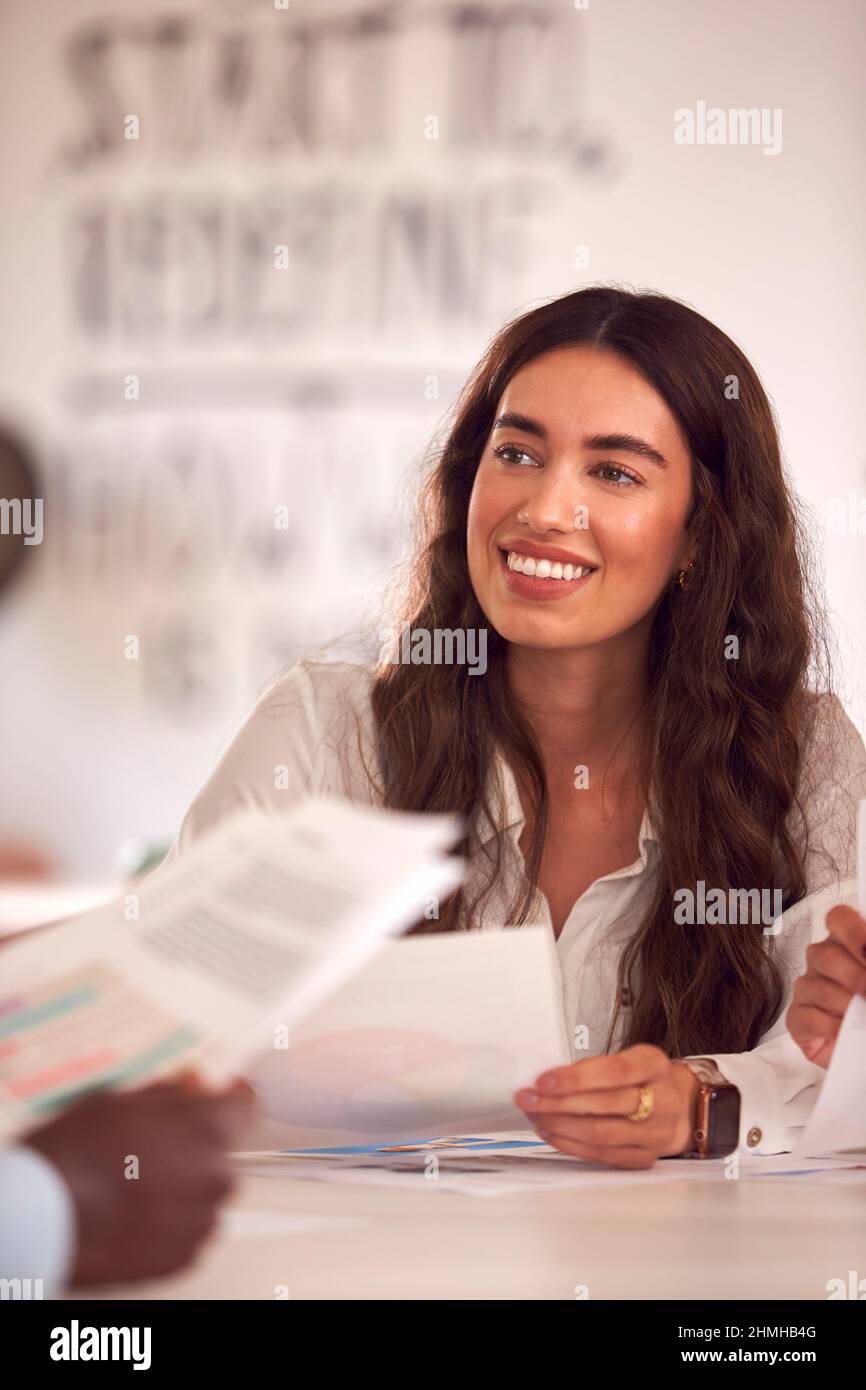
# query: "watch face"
[724,1121]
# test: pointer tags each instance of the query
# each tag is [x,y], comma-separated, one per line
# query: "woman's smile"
[537,576]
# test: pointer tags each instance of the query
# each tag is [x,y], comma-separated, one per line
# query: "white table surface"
[755,1238]
[27,903]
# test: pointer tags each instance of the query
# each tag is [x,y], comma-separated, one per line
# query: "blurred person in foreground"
[19,859]
[71,1211]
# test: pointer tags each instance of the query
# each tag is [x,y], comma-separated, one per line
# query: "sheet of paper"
[249,930]
[515,1141]
[838,1120]
[488,1166]
[838,1177]
[432,1037]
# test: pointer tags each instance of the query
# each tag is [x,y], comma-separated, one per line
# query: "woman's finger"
[814,991]
[848,928]
[615,1158]
[624,1101]
[636,1066]
[813,1047]
[605,1131]
[804,1021]
[831,960]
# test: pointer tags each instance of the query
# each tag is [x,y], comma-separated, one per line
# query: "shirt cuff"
[766,1120]
[37,1223]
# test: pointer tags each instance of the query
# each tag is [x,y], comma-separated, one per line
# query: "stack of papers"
[497,1165]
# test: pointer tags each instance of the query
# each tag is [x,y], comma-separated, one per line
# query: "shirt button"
[754,1136]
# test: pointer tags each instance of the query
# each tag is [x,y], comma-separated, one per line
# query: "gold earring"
[682,576]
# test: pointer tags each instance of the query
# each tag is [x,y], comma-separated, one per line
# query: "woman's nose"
[555,503]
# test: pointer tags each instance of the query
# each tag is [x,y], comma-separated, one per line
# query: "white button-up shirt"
[312,733]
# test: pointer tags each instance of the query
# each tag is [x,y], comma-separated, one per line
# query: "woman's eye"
[624,478]
[512,453]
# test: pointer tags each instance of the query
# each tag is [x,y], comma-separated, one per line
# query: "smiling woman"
[554,467]
[610,505]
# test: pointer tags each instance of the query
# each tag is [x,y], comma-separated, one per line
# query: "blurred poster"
[287,231]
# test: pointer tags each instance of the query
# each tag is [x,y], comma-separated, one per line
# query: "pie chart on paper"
[379,1080]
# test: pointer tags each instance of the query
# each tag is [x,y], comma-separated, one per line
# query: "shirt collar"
[507,812]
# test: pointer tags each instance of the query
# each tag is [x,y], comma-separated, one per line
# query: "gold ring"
[646,1106]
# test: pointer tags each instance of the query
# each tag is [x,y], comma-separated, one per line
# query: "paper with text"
[243,935]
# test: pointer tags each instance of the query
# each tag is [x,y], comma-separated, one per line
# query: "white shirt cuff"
[775,1100]
[37,1223]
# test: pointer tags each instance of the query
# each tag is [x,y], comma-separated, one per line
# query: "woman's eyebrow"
[511,420]
[621,443]
[627,444]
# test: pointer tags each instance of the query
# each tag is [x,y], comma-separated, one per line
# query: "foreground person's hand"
[147,1171]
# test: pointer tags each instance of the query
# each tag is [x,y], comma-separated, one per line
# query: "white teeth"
[545,569]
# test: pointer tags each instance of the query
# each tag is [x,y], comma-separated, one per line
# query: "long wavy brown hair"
[723,763]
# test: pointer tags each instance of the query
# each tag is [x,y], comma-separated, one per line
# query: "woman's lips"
[530,586]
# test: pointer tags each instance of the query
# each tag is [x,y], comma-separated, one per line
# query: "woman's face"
[585,466]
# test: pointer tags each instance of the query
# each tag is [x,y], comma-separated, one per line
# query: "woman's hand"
[583,1109]
[835,972]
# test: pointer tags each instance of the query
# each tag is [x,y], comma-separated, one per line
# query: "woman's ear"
[687,556]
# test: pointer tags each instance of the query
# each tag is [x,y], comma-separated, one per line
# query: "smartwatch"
[717,1112]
